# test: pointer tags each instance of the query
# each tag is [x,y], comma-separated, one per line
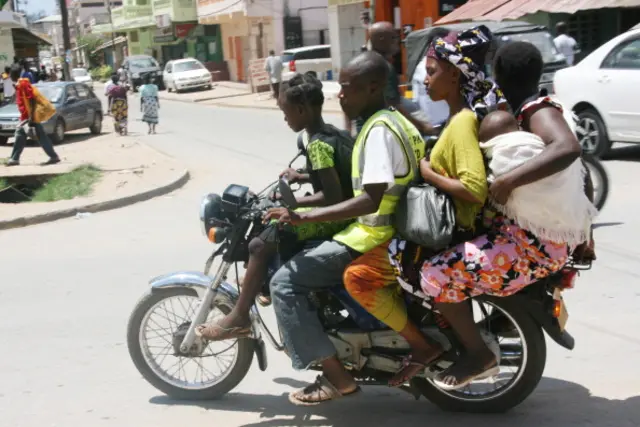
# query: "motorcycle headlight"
[212,218]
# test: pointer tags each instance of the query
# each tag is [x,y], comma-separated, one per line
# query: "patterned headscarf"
[467,51]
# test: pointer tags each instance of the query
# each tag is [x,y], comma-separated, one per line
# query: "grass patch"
[3,183]
[76,183]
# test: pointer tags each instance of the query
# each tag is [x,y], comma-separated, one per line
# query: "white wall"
[6,48]
[347,33]
[278,25]
[314,17]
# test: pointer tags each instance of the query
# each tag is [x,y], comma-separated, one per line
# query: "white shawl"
[554,208]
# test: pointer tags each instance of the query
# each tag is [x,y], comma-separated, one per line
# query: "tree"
[89,42]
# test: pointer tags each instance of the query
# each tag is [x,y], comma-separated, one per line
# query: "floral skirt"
[120,112]
[150,109]
[499,263]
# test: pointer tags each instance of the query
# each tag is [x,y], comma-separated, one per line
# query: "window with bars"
[584,26]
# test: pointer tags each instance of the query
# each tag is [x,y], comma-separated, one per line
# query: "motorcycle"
[165,349]
[599,179]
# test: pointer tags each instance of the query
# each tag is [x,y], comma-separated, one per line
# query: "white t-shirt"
[108,86]
[384,158]
[9,90]
[567,46]
[437,111]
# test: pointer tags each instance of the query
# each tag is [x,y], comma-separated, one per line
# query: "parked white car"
[183,74]
[303,59]
[603,91]
[81,75]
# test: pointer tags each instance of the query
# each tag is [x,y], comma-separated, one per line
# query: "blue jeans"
[21,141]
[314,270]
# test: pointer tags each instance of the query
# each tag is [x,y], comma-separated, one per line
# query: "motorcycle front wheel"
[523,355]
[208,370]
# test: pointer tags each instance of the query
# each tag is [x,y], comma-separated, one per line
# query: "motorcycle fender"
[548,322]
[226,293]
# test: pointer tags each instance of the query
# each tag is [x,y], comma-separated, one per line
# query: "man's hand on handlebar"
[282,215]
[294,176]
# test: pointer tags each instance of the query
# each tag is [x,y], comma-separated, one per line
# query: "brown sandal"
[411,368]
[215,332]
[318,392]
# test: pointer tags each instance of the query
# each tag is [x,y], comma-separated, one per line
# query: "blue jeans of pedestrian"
[314,270]
[21,141]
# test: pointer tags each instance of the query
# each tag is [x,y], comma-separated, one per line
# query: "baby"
[553,208]
[495,124]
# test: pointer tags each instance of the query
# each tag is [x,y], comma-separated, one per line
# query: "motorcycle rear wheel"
[534,355]
[137,350]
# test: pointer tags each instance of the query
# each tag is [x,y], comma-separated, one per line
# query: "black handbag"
[426,216]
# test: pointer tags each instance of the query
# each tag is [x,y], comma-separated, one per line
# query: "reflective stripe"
[394,190]
[374,220]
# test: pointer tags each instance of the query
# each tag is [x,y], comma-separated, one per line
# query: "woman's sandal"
[318,392]
[439,380]
[215,332]
[264,300]
[411,368]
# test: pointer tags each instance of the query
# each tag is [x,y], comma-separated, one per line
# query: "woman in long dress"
[149,103]
[119,106]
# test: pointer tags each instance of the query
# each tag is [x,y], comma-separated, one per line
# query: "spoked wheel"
[207,370]
[510,331]
[599,178]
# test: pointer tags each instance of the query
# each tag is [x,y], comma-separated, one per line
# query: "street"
[68,288]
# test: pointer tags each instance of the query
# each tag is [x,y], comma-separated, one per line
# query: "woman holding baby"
[507,256]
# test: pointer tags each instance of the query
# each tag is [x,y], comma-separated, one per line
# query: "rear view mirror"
[286,194]
[71,100]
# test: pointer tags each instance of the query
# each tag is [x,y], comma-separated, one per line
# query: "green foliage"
[102,73]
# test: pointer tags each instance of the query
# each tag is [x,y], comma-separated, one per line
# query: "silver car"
[77,107]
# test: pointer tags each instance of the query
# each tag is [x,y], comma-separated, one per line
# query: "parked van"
[138,65]
[309,58]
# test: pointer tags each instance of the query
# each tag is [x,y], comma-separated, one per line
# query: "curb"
[174,184]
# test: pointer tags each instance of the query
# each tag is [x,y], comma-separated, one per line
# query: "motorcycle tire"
[527,382]
[595,167]
[238,372]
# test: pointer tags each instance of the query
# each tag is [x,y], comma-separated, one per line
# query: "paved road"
[68,288]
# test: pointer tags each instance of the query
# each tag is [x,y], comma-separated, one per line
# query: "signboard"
[182,30]
[163,35]
[447,6]
[259,77]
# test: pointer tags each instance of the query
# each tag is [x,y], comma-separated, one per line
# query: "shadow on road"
[554,403]
[627,152]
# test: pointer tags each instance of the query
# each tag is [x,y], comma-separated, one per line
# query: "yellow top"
[457,155]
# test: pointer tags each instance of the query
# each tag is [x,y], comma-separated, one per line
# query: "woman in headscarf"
[505,259]
[456,166]
[149,103]
[119,105]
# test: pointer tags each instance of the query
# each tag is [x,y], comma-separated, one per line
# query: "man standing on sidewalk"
[273,66]
[566,44]
[27,98]
[385,40]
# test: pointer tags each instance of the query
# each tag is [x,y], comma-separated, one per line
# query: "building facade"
[246,30]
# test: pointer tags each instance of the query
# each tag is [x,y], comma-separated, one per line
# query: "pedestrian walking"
[149,103]
[566,44]
[273,66]
[26,72]
[107,87]
[35,109]
[119,106]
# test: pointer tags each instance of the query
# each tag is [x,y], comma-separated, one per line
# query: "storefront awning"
[108,44]
[26,37]
[498,10]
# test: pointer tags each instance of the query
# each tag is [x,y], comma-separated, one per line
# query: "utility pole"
[107,4]
[66,39]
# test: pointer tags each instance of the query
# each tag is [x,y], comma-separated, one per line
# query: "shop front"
[245,31]
[591,23]
[189,40]
[16,41]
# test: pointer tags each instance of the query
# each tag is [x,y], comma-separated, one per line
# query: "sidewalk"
[132,172]
[238,95]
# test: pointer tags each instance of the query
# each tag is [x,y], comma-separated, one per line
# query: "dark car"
[137,66]
[503,33]
[77,107]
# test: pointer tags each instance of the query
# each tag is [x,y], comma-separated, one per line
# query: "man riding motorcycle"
[383,163]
